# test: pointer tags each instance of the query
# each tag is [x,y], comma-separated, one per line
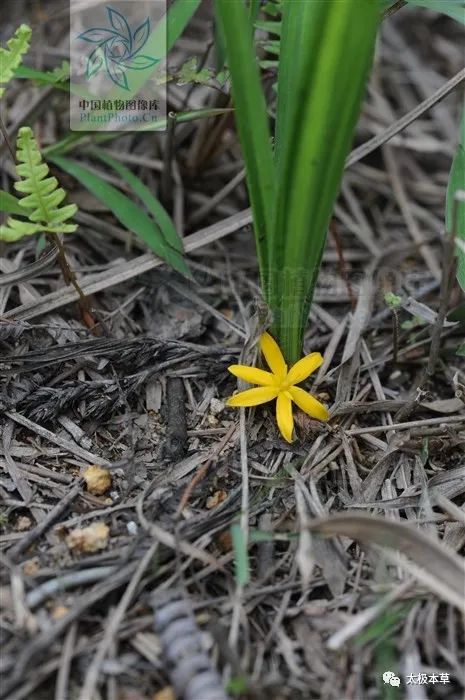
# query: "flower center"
[283,385]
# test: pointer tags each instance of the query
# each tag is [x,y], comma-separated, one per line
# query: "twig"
[30,271]
[36,532]
[175,443]
[405,426]
[44,639]
[7,140]
[62,682]
[166,176]
[70,278]
[398,5]
[398,126]
[447,281]
[244,525]
[67,445]
[63,583]
[342,263]
[203,471]
[114,621]
[395,334]
[127,270]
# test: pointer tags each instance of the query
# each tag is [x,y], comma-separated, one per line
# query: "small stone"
[58,612]
[215,500]
[166,693]
[224,541]
[98,480]
[30,567]
[132,527]
[88,539]
[23,523]
[216,406]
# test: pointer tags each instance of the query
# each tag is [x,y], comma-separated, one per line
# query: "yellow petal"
[284,416]
[253,397]
[304,368]
[273,356]
[252,375]
[308,403]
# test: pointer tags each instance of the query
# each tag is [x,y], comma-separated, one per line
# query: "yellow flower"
[279,384]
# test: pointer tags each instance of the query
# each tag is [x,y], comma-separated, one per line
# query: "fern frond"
[43,196]
[272,26]
[11,57]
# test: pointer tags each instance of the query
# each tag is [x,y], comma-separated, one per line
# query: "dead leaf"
[445,405]
[444,570]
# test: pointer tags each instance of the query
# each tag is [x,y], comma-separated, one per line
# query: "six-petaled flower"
[280,384]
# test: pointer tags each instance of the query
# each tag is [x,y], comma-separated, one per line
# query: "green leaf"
[58,77]
[158,212]
[241,555]
[461,350]
[252,122]
[455,209]
[189,73]
[75,138]
[326,53]
[14,230]
[273,47]
[125,210]
[10,204]
[453,8]
[270,27]
[394,301]
[220,47]
[273,8]
[254,9]
[179,15]
[42,203]
[11,57]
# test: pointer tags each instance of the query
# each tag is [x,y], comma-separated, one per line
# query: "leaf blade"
[252,123]
[326,52]
[455,208]
[128,213]
[158,212]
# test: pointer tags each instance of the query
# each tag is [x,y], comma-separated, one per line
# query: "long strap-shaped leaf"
[326,52]
[251,120]
[155,208]
[455,208]
[126,211]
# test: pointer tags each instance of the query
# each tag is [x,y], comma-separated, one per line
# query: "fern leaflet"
[10,57]
[43,196]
